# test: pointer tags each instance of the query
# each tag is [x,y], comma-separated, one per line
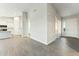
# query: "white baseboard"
[53,39]
[45,43]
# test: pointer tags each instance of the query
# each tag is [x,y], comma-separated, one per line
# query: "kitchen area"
[9,26]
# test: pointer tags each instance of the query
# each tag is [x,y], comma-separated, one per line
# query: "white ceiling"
[67,9]
[14,9]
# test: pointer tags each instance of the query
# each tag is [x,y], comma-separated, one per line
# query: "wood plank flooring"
[18,46]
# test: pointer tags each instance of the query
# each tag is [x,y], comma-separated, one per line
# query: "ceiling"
[67,9]
[14,9]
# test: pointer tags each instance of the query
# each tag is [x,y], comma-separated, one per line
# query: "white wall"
[42,23]
[71,25]
[25,23]
[16,26]
[38,22]
[53,24]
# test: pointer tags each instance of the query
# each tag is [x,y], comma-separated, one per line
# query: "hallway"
[18,46]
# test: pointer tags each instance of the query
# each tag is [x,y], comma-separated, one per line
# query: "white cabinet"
[5,34]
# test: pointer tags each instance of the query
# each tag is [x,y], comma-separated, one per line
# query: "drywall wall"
[16,26]
[25,23]
[71,26]
[53,24]
[42,23]
[38,22]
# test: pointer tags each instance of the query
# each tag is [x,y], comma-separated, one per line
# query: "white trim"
[45,43]
[51,41]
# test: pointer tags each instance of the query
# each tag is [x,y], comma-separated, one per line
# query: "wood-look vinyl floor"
[18,46]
